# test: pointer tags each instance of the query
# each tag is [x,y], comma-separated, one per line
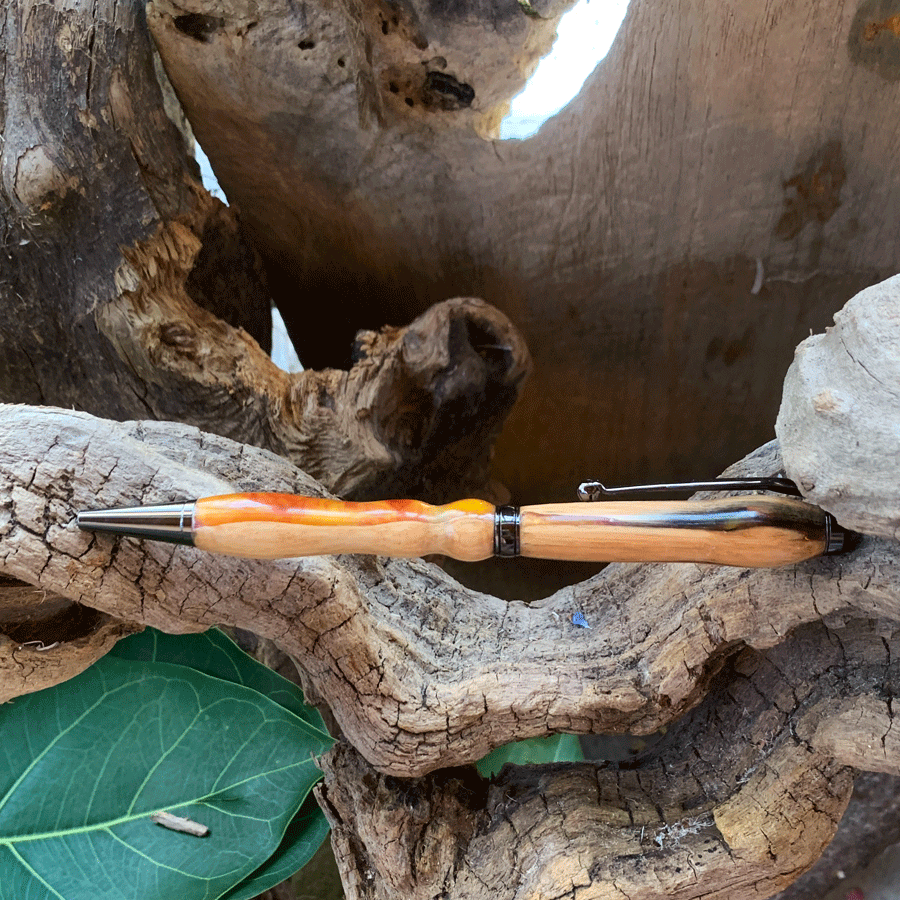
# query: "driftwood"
[614,240]
[780,680]
[722,185]
[133,321]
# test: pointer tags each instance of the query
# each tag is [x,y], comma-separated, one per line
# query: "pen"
[754,530]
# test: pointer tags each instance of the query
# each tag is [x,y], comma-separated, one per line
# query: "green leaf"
[554,748]
[214,653]
[301,840]
[84,764]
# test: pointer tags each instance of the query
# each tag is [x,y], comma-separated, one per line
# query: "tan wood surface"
[738,531]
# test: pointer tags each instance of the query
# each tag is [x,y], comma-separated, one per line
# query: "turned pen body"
[753,530]
[749,530]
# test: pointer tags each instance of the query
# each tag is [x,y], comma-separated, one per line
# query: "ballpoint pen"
[753,530]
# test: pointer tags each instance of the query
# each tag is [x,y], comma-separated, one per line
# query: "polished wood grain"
[271,526]
[753,531]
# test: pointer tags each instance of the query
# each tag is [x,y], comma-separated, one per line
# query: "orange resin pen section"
[271,526]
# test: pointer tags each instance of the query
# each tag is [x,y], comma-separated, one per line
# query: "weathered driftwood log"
[424,674]
[419,671]
[772,682]
[115,299]
[724,183]
[736,801]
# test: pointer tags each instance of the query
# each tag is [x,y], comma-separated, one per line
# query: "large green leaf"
[214,653]
[83,765]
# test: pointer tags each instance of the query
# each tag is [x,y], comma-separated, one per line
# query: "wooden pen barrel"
[273,526]
[750,530]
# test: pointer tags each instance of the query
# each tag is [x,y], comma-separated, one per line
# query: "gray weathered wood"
[839,423]
[424,674]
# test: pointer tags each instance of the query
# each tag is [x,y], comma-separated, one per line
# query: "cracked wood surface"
[736,800]
[419,671]
[869,826]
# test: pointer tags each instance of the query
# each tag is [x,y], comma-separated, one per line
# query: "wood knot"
[177,335]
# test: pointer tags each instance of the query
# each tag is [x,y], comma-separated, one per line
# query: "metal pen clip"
[594,490]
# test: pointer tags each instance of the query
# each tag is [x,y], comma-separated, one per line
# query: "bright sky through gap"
[584,36]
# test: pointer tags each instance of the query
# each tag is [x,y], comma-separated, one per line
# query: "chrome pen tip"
[173,522]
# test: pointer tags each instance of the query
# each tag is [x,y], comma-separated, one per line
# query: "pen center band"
[506,531]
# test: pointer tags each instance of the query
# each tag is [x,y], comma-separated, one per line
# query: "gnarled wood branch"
[780,680]
[147,325]
[723,814]
[737,799]
[416,668]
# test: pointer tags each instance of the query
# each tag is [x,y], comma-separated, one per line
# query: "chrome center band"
[507,520]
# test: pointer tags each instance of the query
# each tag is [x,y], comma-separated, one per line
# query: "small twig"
[179,823]
[39,646]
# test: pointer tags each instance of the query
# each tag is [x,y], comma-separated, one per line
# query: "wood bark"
[869,826]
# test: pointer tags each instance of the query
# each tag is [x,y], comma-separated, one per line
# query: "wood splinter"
[179,823]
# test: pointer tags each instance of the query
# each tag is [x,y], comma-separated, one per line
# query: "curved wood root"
[738,798]
[415,667]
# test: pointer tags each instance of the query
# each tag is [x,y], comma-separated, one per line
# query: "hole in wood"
[583,39]
[197,26]
[29,614]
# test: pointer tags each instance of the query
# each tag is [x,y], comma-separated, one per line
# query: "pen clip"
[594,490]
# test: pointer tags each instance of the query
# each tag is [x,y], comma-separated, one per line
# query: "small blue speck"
[579,619]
